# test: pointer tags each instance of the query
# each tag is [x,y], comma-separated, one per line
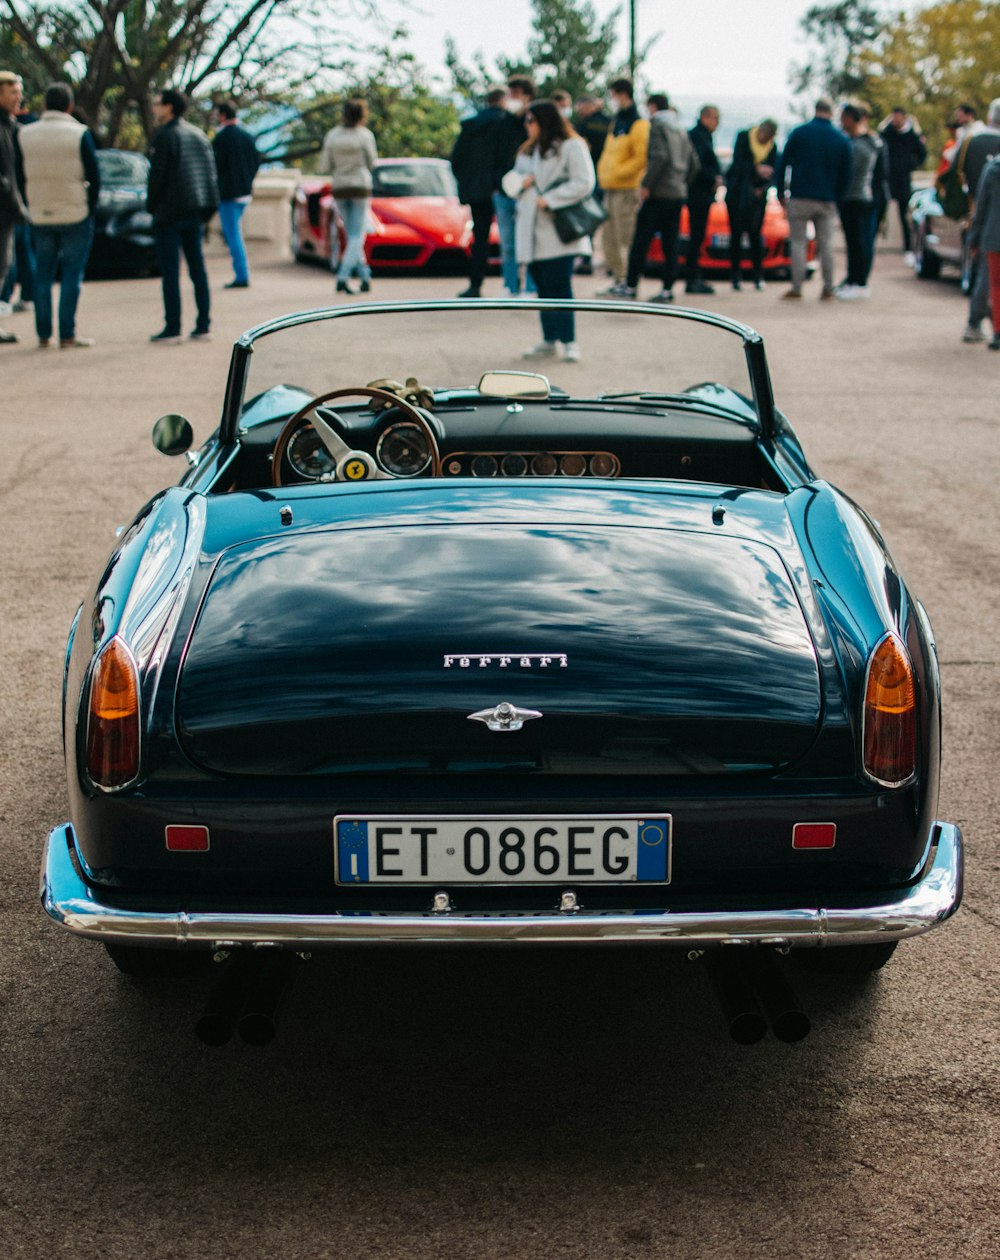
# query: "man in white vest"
[62,183]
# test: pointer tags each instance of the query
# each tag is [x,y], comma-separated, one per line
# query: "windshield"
[413,179]
[629,357]
[118,168]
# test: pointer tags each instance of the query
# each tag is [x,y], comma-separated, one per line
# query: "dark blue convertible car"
[435,642]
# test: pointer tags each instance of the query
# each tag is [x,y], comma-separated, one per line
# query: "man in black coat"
[12,208]
[182,195]
[906,150]
[701,194]
[236,162]
[474,162]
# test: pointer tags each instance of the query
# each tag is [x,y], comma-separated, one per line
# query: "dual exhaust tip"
[246,998]
[753,994]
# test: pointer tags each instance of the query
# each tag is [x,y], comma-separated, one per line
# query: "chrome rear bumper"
[73,903]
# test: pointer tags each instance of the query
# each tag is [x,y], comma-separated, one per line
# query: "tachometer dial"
[308,456]
[403,450]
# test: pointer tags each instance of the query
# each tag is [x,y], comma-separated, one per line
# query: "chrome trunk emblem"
[505,717]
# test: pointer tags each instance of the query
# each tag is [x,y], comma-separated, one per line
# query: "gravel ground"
[506,1104]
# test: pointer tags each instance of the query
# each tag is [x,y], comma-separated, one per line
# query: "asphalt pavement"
[509,1103]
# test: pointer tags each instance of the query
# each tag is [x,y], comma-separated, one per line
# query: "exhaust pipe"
[267,990]
[218,1020]
[783,1009]
[246,997]
[730,978]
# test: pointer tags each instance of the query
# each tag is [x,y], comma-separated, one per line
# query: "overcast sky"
[717,48]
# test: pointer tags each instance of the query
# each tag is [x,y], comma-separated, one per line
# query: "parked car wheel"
[157,964]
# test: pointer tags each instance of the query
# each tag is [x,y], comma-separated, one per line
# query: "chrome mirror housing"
[172,434]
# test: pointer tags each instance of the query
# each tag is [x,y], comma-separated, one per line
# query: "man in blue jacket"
[818,156]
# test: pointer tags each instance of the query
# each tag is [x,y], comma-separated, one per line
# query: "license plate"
[495,849]
[720,240]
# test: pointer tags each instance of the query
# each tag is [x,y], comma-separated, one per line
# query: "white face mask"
[566,113]
[514,106]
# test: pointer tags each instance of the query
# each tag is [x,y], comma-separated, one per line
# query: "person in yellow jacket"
[619,173]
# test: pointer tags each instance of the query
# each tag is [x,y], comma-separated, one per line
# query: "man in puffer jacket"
[619,173]
[182,195]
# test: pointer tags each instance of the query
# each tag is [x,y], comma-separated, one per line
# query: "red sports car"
[417,220]
[715,248]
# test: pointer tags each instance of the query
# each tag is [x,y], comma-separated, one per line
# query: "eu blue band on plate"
[653,849]
[352,852]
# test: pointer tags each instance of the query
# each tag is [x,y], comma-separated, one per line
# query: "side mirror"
[172,435]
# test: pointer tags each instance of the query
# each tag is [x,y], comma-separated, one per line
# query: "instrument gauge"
[573,465]
[603,464]
[403,449]
[513,466]
[544,465]
[308,456]
[484,466]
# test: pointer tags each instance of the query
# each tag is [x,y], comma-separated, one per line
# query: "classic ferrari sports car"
[715,255]
[433,642]
[417,220]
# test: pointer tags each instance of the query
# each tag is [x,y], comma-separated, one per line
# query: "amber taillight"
[890,716]
[113,721]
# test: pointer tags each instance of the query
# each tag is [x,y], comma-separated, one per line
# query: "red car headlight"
[890,715]
[113,718]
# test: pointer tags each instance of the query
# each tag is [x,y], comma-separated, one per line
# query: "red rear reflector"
[187,839]
[814,835]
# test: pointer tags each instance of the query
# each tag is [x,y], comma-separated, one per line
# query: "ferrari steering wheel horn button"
[505,717]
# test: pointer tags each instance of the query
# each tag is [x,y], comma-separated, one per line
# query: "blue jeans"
[23,269]
[230,214]
[354,212]
[505,209]
[554,278]
[171,238]
[64,249]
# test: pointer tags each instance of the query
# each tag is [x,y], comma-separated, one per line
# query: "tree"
[934,58]
[116,53]
[841,33]
[570,48]
[405,115]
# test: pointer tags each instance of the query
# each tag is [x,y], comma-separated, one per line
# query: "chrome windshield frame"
[753,343]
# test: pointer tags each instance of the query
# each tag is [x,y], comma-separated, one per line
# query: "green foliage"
[934,58]
[840,34]
[570,48]
[405,116]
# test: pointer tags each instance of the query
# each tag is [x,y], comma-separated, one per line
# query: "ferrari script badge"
[505,717]
[516,660]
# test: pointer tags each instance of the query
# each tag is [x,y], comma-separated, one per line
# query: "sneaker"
[828,293]
[584,267]
[759,285]
[853,293]
[6,309]
[626,293]
[344,287]
[544,350]
[509,293]
[165,338]
[75,343]
[365,286]
[699,286]
[737,285]
[44,343]
[973,333]
[793,295]
[571,352]
[237,284]
[6,338]
[995,343]
[200,334]
[664,296]
[910,258]
[613,290]
[21,305]
[470,292]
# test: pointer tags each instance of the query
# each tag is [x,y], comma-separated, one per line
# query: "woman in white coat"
[553,169]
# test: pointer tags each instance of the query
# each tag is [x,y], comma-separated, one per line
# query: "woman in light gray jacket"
[348,157]
[553,169]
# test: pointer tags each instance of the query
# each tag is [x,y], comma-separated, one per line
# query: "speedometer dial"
[308,456]
[403,450]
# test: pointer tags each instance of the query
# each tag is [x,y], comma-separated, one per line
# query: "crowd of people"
[555,174]
[50,182]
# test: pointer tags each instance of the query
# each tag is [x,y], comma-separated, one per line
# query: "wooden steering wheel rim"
[354,391]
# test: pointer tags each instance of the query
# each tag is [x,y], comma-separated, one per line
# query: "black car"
[123,227]
[428,647]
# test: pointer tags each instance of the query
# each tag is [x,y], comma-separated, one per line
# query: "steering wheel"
[350,464]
